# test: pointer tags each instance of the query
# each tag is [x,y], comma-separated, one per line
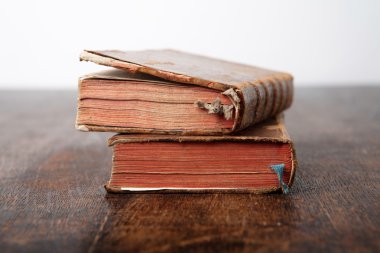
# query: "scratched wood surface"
[52,198]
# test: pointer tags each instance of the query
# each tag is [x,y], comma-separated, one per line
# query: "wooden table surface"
[52,196]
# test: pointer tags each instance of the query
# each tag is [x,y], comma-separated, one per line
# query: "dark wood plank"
[51,194]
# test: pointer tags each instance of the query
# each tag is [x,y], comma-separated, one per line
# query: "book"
[260,159]
[172,92]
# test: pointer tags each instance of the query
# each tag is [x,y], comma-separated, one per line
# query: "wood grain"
[52,176]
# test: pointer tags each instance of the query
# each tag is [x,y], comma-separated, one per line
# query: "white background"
[326,42]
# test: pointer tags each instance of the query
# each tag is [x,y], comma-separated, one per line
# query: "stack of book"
[189,123]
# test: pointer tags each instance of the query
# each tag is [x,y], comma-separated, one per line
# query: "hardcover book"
[171,92]
[260,159]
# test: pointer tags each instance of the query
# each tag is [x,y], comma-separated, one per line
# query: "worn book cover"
[260,159]
[172,92]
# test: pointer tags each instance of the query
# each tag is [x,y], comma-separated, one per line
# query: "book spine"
[264,99]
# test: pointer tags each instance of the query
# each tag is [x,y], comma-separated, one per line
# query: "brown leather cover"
[257,93]
[272,130]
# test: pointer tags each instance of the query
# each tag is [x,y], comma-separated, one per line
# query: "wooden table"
[52,176]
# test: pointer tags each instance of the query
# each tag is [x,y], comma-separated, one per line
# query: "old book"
[260,159]
[171,92]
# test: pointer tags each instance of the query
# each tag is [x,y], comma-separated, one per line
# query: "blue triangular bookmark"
[279,169]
